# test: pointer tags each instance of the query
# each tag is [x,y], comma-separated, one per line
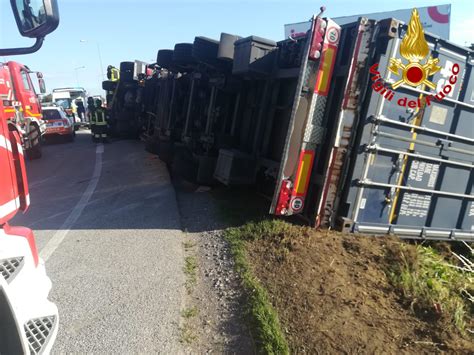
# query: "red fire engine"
[22,108]
[28,321]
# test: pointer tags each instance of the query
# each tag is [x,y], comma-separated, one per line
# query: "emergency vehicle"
[28,320]
[22,108]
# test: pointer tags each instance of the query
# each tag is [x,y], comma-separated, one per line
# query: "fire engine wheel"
[35,151]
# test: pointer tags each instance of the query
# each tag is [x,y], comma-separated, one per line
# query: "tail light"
[65,122]
[283,198]
[318,38]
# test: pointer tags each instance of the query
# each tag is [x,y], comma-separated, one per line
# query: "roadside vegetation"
[188,333]
[433,286]
[312,291]
[190,270]
[262,316]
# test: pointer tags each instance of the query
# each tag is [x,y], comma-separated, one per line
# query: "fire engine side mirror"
[41,83]
[35,18]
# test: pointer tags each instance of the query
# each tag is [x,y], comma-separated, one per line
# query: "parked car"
[58,123]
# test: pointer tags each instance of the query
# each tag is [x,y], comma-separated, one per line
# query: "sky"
[111,31]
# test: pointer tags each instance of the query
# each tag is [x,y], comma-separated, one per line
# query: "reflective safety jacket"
[114,74]
[99,117]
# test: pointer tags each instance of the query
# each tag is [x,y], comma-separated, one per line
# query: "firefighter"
[91,115]
[81,110]
[90,108]
[100,132]
[113,73]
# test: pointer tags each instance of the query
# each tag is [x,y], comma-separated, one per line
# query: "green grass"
[190,270]
[431,285]
[190,312]
[188,245]
[263,318]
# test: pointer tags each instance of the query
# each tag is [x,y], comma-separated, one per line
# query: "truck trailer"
[326,124]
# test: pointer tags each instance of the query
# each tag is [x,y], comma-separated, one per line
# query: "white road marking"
[59,236]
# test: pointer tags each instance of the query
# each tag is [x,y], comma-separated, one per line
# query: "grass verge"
[190,270]
[263,318]
[433,287]
[190,312]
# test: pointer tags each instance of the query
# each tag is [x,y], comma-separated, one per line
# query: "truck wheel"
[152,145]
[164,58]
[183,164]
[226,46]
[126,71]
[183,54]
[205,49]
[109,85]
[35,151]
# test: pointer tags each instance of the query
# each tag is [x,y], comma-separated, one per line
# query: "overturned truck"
[124,97]
[346,126]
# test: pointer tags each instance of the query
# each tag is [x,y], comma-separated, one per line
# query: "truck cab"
[22,107]
[28,320]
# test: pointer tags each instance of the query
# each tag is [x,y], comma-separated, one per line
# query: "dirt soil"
[332,295]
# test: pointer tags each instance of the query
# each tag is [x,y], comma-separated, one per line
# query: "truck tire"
[183,164]
[205,50]
[152,145]
[164,58]
[226,46]
[126,71]
[35,152]
[183,54]
[109,85]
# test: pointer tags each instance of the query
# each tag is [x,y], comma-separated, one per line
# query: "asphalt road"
[106,221]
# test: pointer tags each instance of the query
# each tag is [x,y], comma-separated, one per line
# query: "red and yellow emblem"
[414,48]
